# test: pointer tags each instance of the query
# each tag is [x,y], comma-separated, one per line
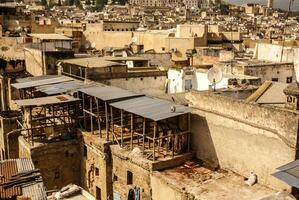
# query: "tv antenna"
[215,75]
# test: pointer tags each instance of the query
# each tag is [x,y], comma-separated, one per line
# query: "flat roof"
[39,81]
[109,93]
[41,101]
[49,36]
[151,108]
[91,62]
[133,58]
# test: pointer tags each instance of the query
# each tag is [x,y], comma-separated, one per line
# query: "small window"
[289,79]
[97,171]
[85,151]
[275,79]
[115,178]
[129,178]
[163,48]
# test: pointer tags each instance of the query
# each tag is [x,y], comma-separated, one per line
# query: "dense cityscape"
[149,100]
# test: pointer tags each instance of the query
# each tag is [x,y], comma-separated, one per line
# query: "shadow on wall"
[202,142]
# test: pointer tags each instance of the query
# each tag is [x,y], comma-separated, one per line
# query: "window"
[129,178]
[275,79]
[115,178]
[97,171]
[163,48]
[188,84]
[85,151]
[289,79]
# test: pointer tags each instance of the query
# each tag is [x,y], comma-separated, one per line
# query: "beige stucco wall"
[243,137]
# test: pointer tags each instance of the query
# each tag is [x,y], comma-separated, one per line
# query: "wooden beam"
[143,135]
[91,119]
[107,125]
[132,127]
[121,128]
[154,140]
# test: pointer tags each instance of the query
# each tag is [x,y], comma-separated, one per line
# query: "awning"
[289,173]
[151,108]
[109,93]
[42,101]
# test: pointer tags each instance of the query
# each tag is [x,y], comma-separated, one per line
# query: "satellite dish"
[215,75]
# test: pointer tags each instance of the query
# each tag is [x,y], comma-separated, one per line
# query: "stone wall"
[59,162]
[243,137]
[96,166]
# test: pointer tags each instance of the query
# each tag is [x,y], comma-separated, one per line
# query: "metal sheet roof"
[92,62]
[35,78]
[46,100]
[33,190]
[289,173]
[109,93]
[151,108]
[49,36]
[39,82]
[63,87]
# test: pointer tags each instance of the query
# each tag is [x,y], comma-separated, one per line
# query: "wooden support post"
[154,140]
[112,125]
[30,121]
[98,117]
[91,118]
[121,128]
[132,127]
[189,132]
[83,107]
[172,145]
[143,135]
[107,125]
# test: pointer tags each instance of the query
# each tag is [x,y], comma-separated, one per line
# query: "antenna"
[215,75]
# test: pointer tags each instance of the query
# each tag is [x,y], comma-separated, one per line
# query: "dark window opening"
[85,151]
[98,193]
[275,79]
[97,171]
[115,178]
[129,178]
[289,79]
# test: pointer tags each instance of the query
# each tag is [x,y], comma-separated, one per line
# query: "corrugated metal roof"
[49,36]
[91,62]
[63,87]
[8,168]
[109,93]
[35,78]
[46,100]
[289,173]
[39,82]
[151,108]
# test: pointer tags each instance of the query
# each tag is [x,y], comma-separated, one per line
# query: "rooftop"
[204,183]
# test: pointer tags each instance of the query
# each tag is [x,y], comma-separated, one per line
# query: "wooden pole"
[121,127]
[98,117]
[143,137]
[107,128]
[189,130]
[112,125]
[83,107]
[30,121]
[132,126]
[91,119]
[154,140]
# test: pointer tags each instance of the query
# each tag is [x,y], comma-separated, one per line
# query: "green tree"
[100,4]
